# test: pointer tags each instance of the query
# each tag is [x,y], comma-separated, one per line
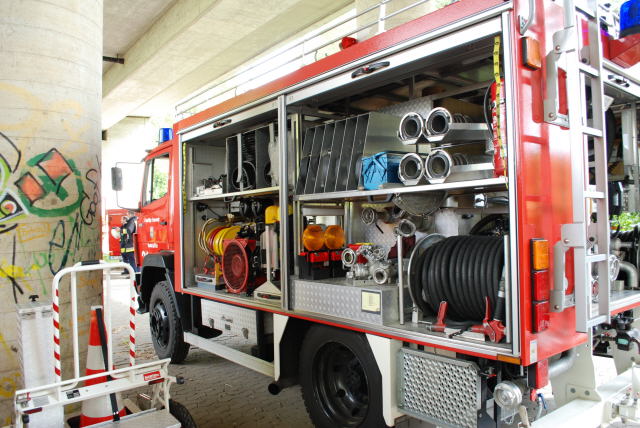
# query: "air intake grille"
[440,390]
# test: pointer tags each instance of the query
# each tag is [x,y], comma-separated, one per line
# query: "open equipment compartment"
[403,153]
[230,185]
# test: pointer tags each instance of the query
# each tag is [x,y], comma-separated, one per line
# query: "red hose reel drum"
[235,264]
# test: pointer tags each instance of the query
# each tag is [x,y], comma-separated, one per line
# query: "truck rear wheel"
[166,329]
[341,383]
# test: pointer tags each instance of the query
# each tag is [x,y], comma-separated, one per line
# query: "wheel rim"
[159,321]
[341,385]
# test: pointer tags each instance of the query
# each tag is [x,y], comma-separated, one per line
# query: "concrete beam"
[197,41]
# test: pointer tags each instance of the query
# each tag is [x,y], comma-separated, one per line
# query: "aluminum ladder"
[589,239]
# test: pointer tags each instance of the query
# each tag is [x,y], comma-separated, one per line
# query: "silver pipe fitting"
[358,271]
[631,273]
[441,126]
[411,128]
[438,166]
[438,121]
[411,169]
[382,272]
[370,216]
[348,257]
[406,228]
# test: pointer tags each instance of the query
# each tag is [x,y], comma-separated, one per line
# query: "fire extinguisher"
[498,125]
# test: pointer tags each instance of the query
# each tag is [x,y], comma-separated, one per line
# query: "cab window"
[156,178]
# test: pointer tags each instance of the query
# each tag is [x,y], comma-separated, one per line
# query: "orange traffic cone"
[100,409]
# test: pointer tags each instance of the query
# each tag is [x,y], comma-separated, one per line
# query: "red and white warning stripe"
[132,332]
[56,335]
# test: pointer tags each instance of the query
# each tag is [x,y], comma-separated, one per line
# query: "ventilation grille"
[440,390]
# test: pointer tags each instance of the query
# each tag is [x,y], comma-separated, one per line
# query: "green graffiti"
[5,172]
[51,175]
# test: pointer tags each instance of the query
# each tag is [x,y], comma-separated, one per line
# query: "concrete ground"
[217,392]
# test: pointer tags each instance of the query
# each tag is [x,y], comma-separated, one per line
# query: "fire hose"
[465,272]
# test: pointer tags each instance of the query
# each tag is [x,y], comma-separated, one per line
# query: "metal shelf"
[484,184]
[253,192]
[238,299]
[411,332]
[624,299]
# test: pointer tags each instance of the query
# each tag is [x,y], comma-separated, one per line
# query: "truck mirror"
[116,178]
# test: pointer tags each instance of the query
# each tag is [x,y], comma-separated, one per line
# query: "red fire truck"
[416,227]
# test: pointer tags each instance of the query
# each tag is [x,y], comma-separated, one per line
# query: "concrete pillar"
[50,96]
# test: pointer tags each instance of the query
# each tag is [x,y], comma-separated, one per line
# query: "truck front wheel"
[166,329]
[341,383]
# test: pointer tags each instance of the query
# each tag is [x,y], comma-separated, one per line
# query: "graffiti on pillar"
[48,185]
[12,272]
[10,207]
[49,205]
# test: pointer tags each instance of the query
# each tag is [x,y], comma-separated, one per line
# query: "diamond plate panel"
[437,389]
[232,320]
[418,105]
[340,299]
[385,239]
[371,233]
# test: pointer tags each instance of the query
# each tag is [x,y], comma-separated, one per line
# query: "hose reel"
[466,272]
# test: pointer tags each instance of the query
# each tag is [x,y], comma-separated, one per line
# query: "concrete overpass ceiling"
[195,41]
[125,21]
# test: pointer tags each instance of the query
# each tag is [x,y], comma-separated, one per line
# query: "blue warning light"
[630,18]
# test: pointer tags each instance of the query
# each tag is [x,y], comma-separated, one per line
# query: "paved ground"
[218,393]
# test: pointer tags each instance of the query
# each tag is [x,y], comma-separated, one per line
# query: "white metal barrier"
[106,297]
[64,392]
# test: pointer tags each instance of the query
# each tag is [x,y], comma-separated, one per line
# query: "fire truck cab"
[418,226]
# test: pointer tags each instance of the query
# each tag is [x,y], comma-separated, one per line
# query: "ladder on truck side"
[589,239]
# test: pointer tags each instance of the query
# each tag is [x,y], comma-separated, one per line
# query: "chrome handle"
[560,283]
[525,23]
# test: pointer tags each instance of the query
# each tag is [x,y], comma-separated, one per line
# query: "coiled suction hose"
[461,270]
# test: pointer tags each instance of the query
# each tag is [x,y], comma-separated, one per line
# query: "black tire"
[166,330]
[181,413]
[340,380]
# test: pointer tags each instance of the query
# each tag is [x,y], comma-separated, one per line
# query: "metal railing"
[292,56]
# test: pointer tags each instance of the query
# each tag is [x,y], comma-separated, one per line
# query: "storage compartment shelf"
[241,299]
[623,299]
[484,185]
[409,331]
[253,192]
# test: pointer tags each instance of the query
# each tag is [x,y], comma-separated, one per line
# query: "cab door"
[154,215]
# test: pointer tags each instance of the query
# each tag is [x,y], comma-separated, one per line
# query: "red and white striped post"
[85,267]
[56,334]
[132,332]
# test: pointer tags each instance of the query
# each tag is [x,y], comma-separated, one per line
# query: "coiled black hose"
[462,271]
[499,225]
